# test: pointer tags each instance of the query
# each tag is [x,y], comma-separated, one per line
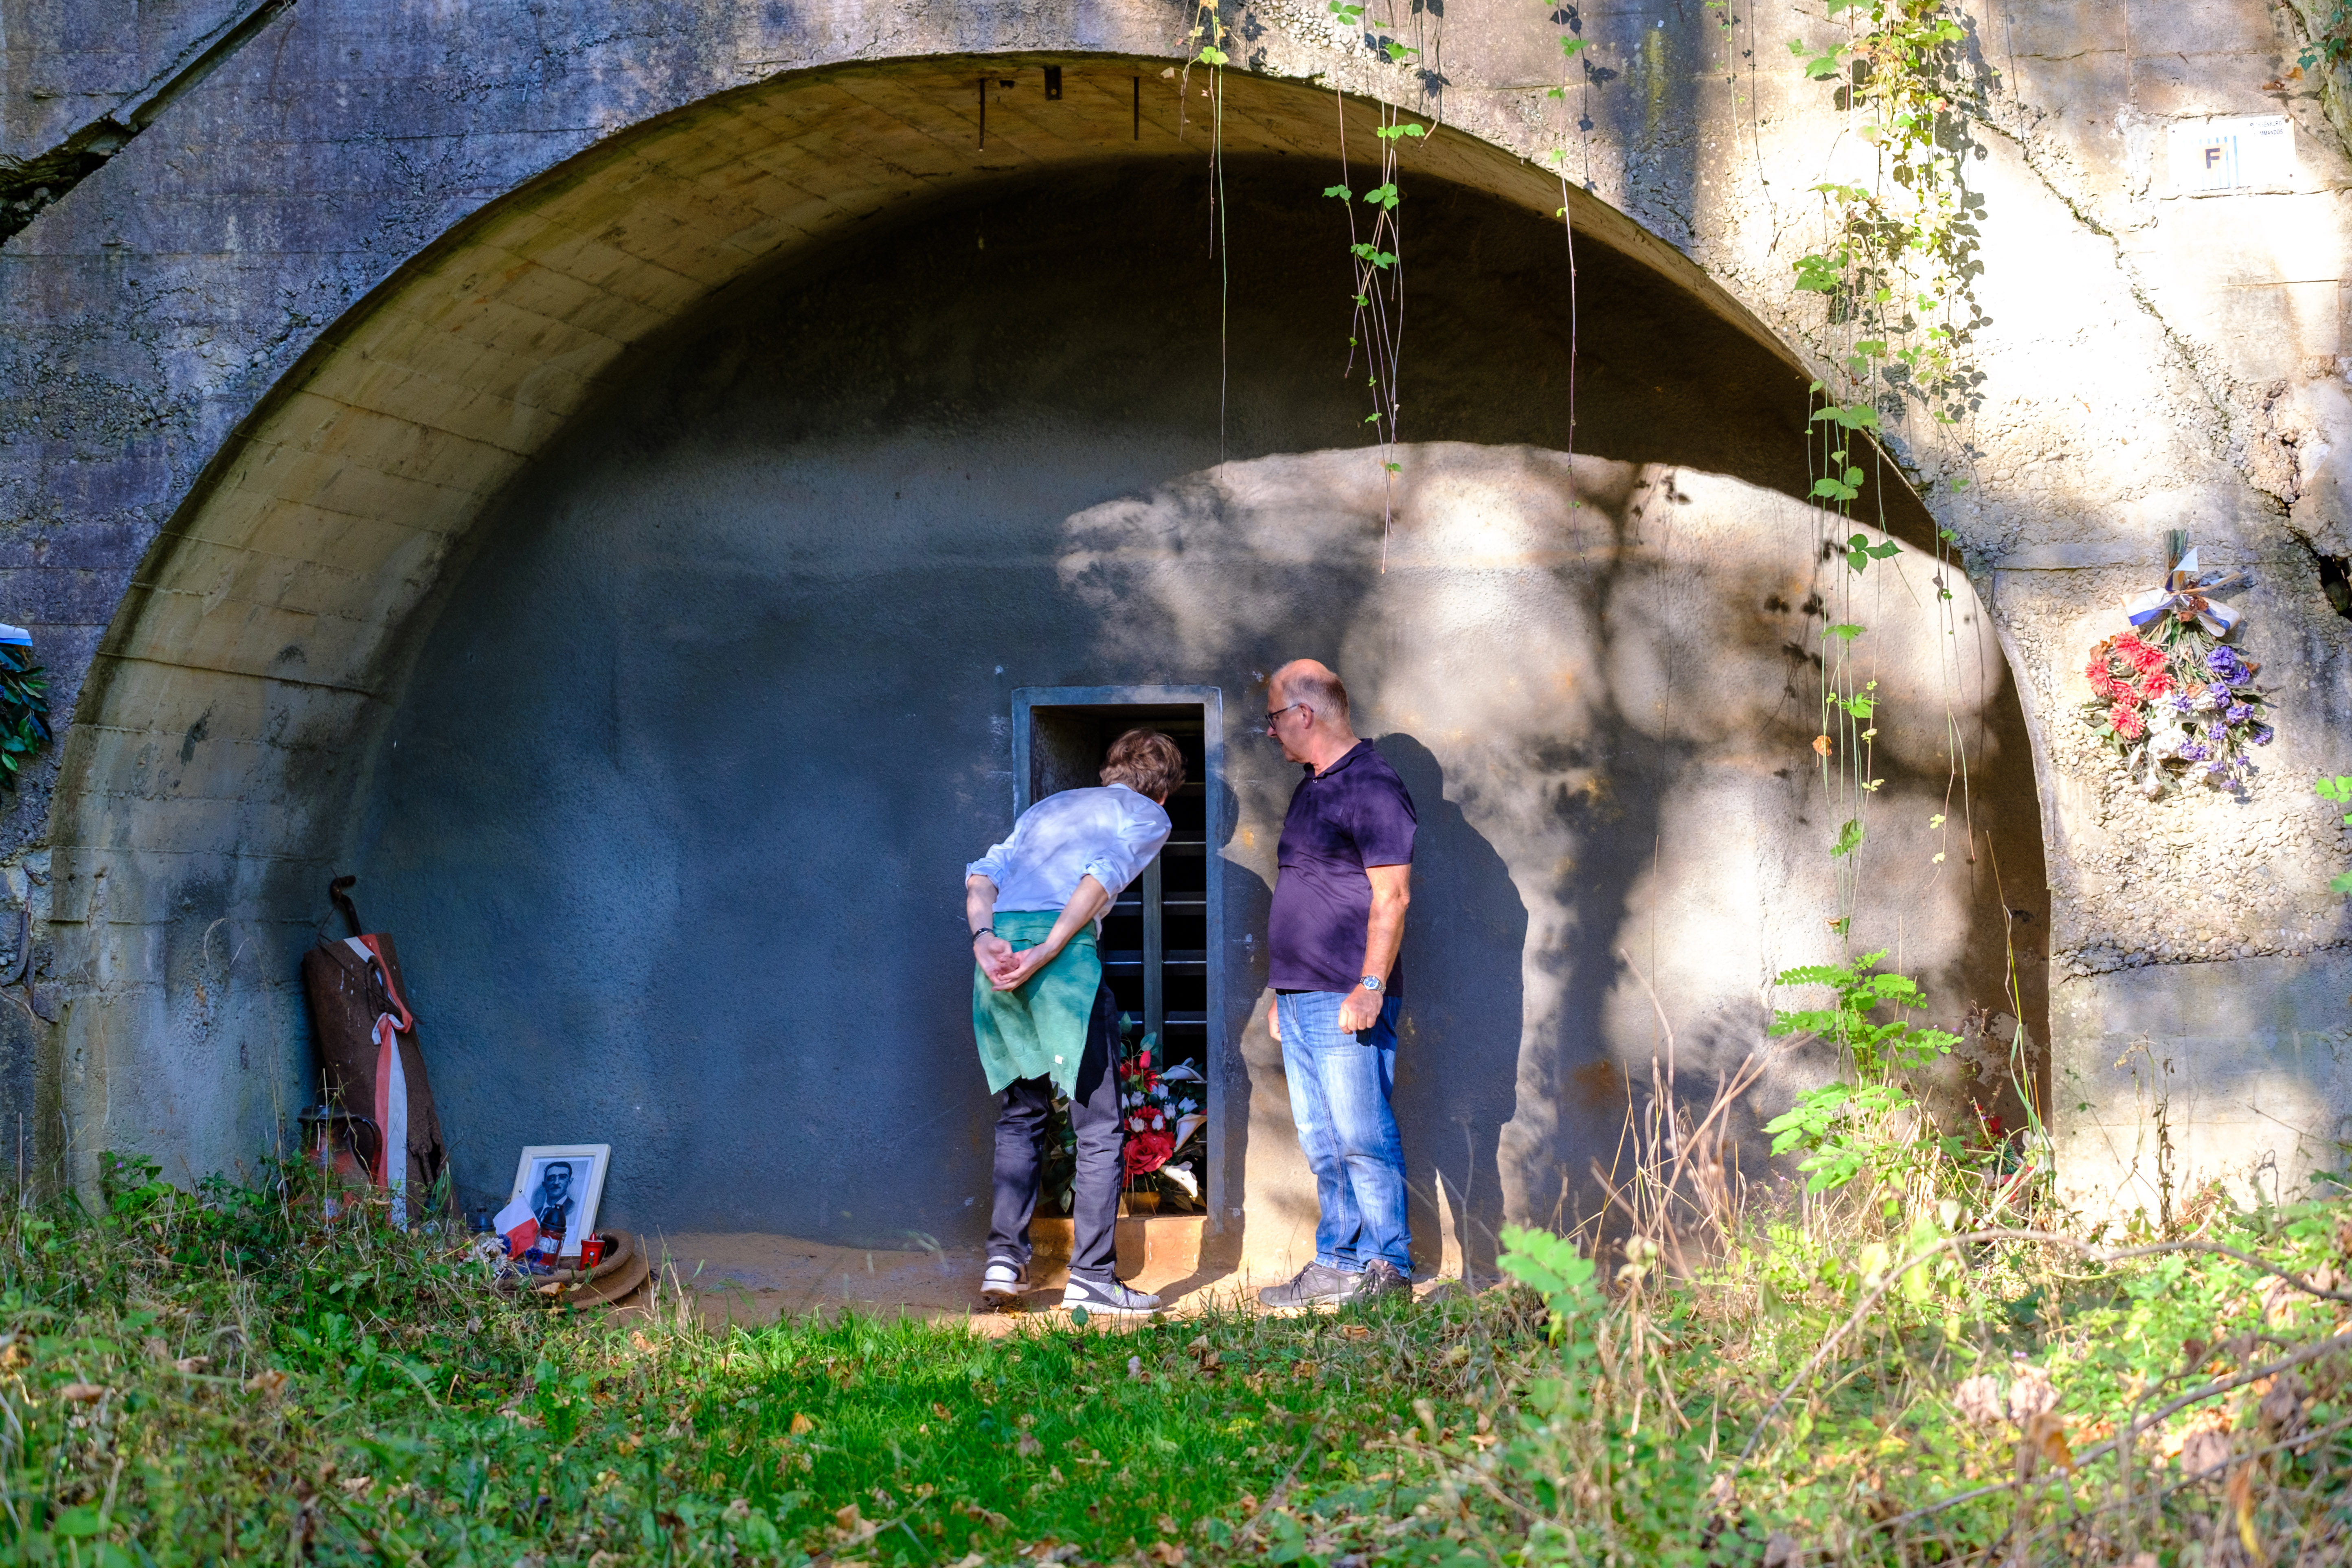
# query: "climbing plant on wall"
[1900,249]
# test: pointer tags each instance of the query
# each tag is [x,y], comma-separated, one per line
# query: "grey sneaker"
[1108,1296]
[1381,1278]
[1314,1286]
[1003,1280]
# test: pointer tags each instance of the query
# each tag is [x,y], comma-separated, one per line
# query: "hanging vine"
[1375,331]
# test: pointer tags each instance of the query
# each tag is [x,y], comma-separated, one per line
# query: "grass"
[223,1379]
[220,1377]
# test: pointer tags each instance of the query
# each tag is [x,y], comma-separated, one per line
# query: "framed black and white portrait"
[563,1184]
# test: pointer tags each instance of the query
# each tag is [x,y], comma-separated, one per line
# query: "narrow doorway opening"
[1161,939]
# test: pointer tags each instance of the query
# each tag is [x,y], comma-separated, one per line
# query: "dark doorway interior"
[1158,955]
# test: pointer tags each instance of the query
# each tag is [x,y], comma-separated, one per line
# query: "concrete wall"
[671,815]
[351,268]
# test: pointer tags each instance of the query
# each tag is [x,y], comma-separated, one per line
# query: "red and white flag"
[519,1225]
[391,1080]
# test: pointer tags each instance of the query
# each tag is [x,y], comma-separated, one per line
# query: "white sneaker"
[1114,1299]
[1004,1279]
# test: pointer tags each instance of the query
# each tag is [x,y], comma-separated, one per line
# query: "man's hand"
[1274,1020]
[1360,1011]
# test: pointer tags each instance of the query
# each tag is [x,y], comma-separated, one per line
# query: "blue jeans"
[1339,1086]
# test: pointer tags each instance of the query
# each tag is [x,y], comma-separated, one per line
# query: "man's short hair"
[552,1166]
[1323,693]
[1145,762]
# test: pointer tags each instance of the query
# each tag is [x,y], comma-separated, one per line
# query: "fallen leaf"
[1978,1399]
[81,1393]
[356,1486]
[1821,745]
[1355,1331]
[269,1382]
[1168,1526]
[192,1363]
[1304,1369]
[2281,1406]
[1027,1447]
[2044,1443]
[2241,1492]
[2202,1453]
[1780,1550]
[802,1424]
[2031,1394]
[1166,1552]
[938,1410]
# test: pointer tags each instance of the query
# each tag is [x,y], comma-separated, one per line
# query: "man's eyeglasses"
[1275,717]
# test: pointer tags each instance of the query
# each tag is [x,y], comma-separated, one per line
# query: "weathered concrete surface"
[2152,360]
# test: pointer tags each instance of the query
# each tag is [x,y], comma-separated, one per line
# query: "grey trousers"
[1021,1123]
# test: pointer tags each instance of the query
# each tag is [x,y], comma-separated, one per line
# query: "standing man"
[1339,897]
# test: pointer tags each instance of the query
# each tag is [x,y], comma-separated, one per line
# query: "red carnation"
[2156,684]
[2127,723]
[2143,657]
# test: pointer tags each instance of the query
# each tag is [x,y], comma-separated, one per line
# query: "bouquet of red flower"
[1157,1118]
[2169,698]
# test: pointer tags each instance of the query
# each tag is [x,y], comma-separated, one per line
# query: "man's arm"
[1384,933]
[1091,899]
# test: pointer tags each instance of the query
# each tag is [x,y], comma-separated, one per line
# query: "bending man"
[1044,1021]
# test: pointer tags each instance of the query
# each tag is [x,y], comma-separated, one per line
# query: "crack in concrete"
[2191,358]
[27,185]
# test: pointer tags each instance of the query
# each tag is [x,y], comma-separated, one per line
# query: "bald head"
[1306,711]
[1315,685]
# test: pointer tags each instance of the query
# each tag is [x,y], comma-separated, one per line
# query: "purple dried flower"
[2194,753]
[2225,663]
[2217,733]
[2238,713]
[2261,736]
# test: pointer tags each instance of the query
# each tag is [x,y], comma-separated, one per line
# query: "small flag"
[519,1225]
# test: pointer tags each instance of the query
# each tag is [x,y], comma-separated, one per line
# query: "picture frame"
[582,1191]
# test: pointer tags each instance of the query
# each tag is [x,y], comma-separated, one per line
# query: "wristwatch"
[1371,982]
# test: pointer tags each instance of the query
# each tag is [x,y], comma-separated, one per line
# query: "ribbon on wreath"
[2184,595]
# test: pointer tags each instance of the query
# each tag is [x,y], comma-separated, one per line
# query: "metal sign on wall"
[2231,153]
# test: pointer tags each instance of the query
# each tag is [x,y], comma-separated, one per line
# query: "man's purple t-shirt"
[1355,813]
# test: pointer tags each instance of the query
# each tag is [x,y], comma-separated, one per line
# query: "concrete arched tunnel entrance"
[635,593]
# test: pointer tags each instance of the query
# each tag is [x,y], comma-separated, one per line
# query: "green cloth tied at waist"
[1038,1029]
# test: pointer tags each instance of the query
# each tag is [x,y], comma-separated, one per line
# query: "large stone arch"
[218,770]
[233,180]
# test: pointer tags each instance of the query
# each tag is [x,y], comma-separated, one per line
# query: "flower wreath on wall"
[2170,697]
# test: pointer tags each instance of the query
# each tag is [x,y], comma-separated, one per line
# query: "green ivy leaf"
[1849,840]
